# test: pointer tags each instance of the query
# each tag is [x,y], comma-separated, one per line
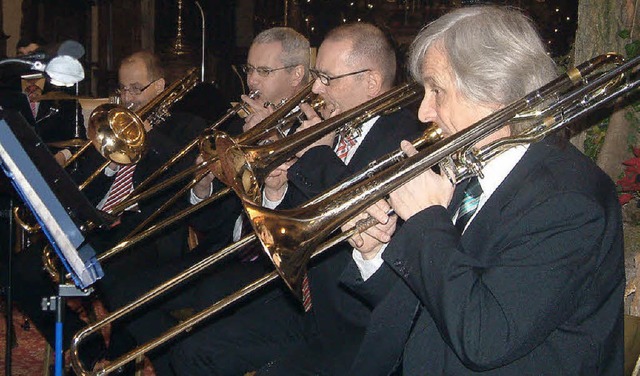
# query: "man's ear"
[159,86]
[297,76]
[374,83]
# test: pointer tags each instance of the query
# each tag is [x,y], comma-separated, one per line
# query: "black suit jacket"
[337,315]
[166,139]
[534,286]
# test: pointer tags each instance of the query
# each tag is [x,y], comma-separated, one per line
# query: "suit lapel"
[480,228]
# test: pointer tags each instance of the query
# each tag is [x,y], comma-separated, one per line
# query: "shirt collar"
[497,169]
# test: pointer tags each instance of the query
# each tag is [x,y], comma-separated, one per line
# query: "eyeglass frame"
[262,71]
[122,90]
[325,79]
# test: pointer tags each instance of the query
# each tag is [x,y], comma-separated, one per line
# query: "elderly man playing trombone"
[521,276]
[355,64]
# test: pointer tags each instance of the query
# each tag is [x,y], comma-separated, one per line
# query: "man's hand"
[423,191]
[371,240]
[312,119]
[275,185]
[202,189]
[258,112]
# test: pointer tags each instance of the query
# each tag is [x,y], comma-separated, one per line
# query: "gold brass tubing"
[126,244]
[167,204]
[134,198]
[198,267]
[231,112]
[95,174]
[200,316]
[75,155]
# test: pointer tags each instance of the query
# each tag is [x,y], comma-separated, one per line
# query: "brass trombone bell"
[245,167]
[117,133]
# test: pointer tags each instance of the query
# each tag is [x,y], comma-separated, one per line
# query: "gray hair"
[370,47]
[495,53]
[295,46]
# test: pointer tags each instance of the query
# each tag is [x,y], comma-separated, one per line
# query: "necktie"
[122,185]
[34,110]
[344,145]
[306,294]
[469,203]
[31,92]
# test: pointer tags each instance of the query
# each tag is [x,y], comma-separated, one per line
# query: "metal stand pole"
[57,304]
[7,294]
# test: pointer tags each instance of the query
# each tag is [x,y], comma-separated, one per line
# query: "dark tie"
[469,203]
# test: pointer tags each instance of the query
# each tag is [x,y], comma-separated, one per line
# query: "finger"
[379,214]
[308,111]
[377,234]
[356,240]
[253,103]
[408,148]
[383,206]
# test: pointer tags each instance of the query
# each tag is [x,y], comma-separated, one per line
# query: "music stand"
[62,211]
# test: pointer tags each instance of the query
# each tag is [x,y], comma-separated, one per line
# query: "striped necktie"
[469,203]
[344,145]
[306,294]
[122,185]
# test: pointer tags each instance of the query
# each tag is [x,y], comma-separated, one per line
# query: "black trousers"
[256,333]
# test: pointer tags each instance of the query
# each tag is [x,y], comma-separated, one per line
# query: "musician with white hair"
[518,271]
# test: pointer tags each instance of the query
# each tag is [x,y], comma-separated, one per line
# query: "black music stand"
[62,211]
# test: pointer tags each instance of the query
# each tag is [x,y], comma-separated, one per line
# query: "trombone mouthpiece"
[253,94]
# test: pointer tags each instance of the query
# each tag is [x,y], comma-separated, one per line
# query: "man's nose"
[318,87]
[253,78]
[426,112]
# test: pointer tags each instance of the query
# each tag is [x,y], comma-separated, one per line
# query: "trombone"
[290,236]
[429,136]
[244,167]
[276,122]
[212,161]
[282,231]
[118,133]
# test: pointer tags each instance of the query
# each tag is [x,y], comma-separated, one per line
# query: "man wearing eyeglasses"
[277,68]
[141,78]
[355,63]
